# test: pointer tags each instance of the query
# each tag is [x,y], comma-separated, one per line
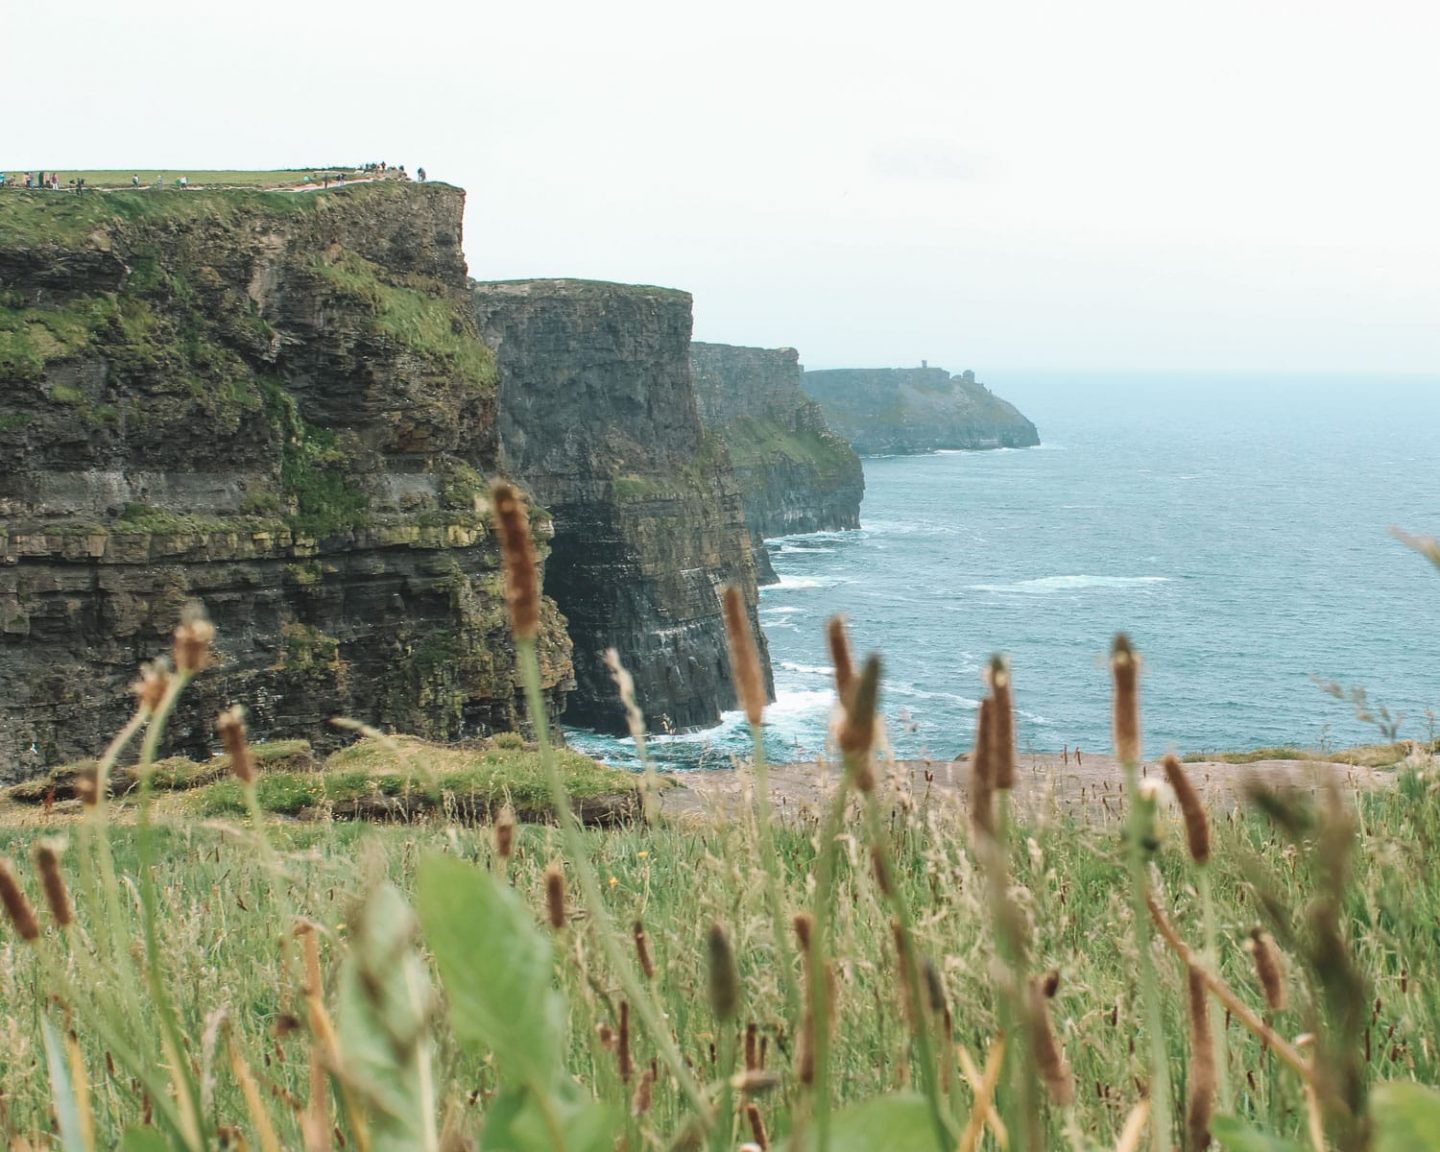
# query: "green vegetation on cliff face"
[278,404]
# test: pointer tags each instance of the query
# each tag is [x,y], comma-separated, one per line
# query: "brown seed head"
[840,658]
[757,1127]
[1002,743]
[517,551]
[1269,969]
[505,833]
[1202,1065]
[52,882]
[640,1102]
[857,735]
[642,951]
[624,1062]
[193,639]
[1054,1069]
[752,1047]
[231,726]
[154,682]
[1197,823]
[1125,670]
[1050,984]
[934,987]
[17,904]
[802,924]
[744,659]
[982,771]
[724,979]
[555,895]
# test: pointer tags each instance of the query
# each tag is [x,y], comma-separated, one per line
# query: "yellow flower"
[613,882]
[642,854]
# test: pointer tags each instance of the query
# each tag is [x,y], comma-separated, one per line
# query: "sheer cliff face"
[598,417]
[899,410]
[276,404]
[795,474]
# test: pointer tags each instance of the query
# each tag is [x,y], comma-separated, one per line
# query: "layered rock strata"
[598,417]
[795,474]
[885,411]
[276,404]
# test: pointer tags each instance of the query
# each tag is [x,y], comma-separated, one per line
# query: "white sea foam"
[795,549]
[799,582]
[807,669]
[1049,585]
[780,610]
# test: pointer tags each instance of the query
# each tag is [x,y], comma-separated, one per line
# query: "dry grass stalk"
[625,686]
[231,726]
[1134,1130]
[1125,669]
[1045,1048]
[982,1110]
[254,1102]
[1233,1004]
[1002,735]
[982,772]
[17,904]
[1202,1072]
[324,1046]
[1269,969]
[555,895]
[517,550]
[52,882]
[1197,823]
[744,659]
[844,667]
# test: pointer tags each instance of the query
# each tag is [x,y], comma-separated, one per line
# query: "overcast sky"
[1008,185]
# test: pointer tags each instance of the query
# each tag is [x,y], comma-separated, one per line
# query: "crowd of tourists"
[54,182]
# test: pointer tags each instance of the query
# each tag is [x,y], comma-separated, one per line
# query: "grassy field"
[233,178]
[225,914]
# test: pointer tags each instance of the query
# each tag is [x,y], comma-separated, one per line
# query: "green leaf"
[496,968]
[897,1123]
[1235,1135]
[516,1122]
[144,1140]
[67,1110]
[1407,1117]
[383,1001]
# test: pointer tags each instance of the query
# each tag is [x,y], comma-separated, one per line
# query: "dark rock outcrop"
[276,404]
[884,411]
[598,417]
[795,474]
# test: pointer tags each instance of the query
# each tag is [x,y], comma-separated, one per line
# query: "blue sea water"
[1236,527]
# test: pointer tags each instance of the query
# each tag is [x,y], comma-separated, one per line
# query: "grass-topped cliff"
[274,401]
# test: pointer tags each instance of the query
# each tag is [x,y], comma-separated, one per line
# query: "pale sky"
[1009,185]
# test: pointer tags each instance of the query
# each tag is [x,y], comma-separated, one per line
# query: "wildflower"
[642,854]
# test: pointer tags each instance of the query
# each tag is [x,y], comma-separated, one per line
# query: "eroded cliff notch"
[598,418]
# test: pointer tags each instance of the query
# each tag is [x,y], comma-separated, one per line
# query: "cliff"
[274,403]
[795,475]
[884,411]
[598,417]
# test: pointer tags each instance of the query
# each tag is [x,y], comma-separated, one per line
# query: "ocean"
[1235,527]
